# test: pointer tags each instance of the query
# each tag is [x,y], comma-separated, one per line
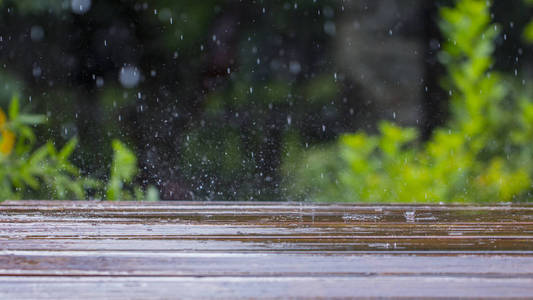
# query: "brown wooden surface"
[166,250]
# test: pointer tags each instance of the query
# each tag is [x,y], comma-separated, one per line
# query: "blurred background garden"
[328,100]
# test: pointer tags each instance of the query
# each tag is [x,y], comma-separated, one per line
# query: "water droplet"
[36,33]
[129,76]
[409,216]
[99,82]
[36,72]
[330,28]
[295,67]
[80,6]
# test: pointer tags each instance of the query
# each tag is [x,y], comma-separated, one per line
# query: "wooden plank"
[138,263]
[267,213]
[262,287]
[53,250]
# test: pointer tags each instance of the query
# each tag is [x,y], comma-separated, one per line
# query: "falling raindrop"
[99,82]
[330,28]
[295,67]
[36,72]
[80,6]
[36,33]
[129,76]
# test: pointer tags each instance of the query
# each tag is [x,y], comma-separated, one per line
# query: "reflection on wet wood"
[270,250]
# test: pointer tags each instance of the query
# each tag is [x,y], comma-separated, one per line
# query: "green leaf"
[38,156]
[124,165]
[67,150]
[14,108]
[152,194]
[528,32]
[31,119]
[123,170]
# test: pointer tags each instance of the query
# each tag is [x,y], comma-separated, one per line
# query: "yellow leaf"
[8,137]
[2,119]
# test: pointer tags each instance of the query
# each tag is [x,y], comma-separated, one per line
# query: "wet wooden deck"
[84,250]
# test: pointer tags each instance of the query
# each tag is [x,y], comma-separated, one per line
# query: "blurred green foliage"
[483,154]
[45,172]
[528,30]
[123,171]
[228,90]
[219,82]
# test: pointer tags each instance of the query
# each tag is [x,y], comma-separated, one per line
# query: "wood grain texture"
[166,250]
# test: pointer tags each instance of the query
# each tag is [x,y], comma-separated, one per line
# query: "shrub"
[45,172]
[483,154]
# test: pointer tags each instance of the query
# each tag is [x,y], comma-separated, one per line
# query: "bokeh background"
[211,94]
